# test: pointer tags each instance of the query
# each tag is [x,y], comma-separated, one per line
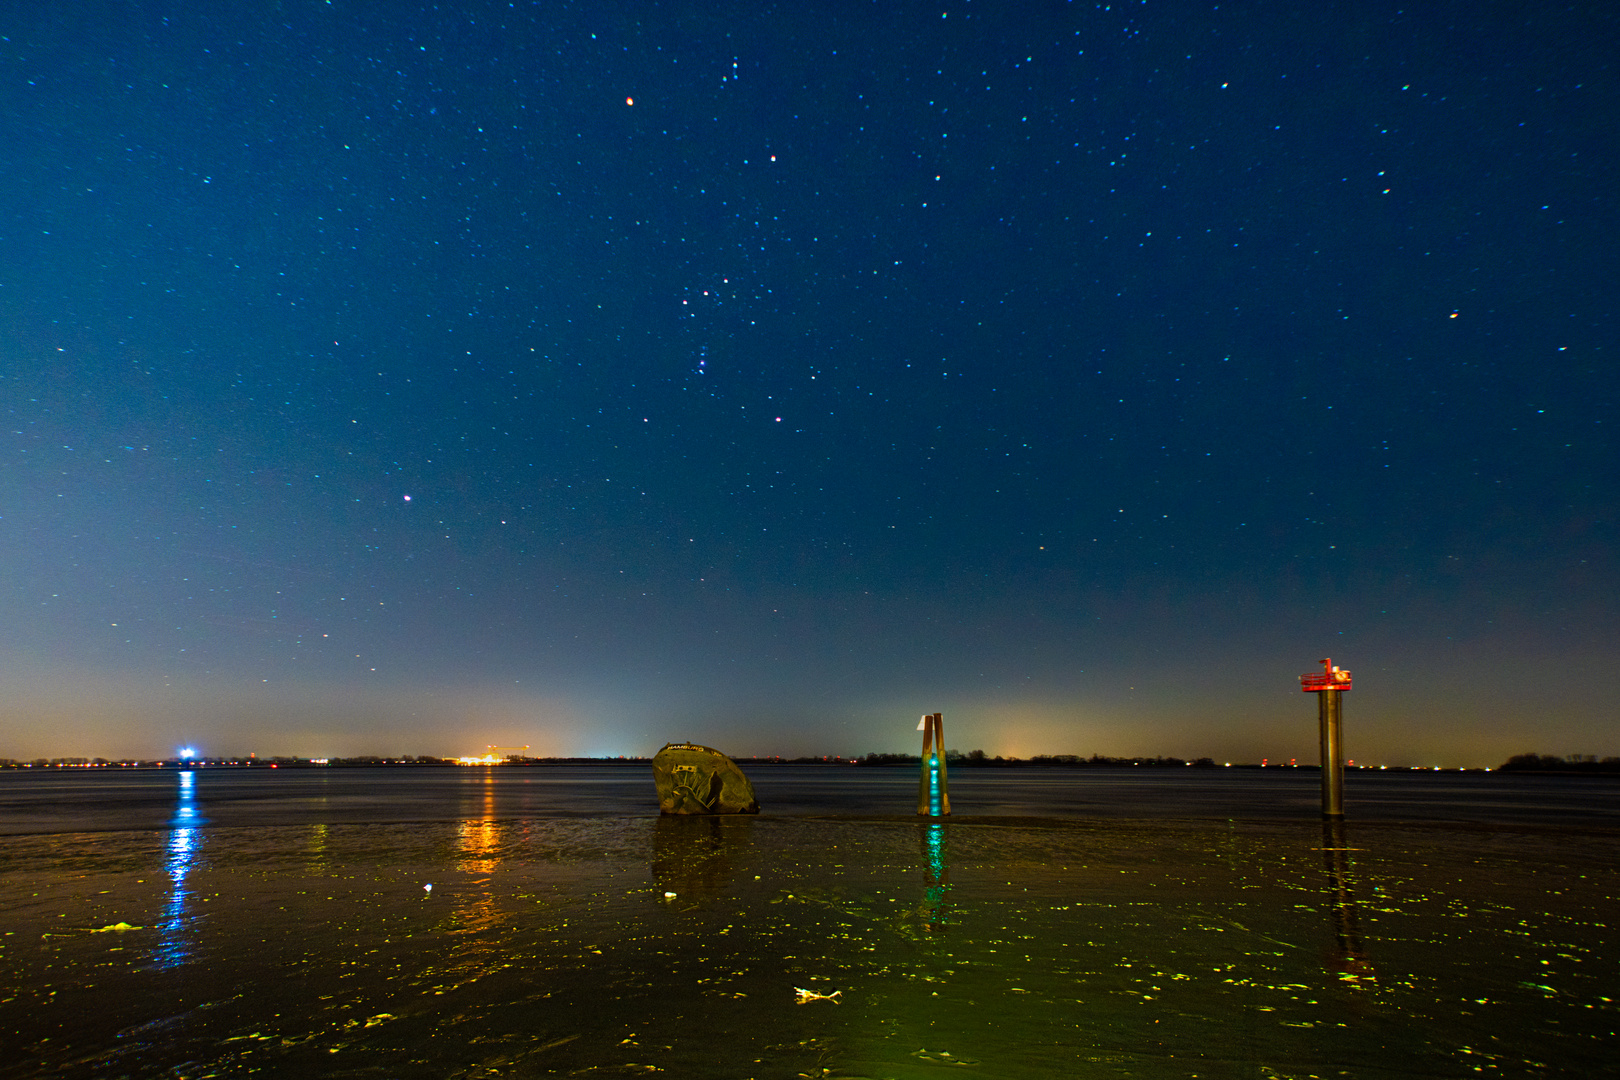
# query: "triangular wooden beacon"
[933,796]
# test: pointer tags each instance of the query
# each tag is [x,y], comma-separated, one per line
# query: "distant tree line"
[1539,763]
[954,758]
[974,758]
[1574,763]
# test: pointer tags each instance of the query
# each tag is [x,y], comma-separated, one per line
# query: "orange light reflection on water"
[479,856]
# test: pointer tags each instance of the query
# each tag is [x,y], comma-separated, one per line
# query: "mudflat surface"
[995,945]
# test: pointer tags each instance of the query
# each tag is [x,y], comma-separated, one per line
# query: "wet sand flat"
[995,946]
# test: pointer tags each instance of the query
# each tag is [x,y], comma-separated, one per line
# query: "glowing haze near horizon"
[410,379]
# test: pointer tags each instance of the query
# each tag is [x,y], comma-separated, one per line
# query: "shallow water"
[290,931]
[83,800]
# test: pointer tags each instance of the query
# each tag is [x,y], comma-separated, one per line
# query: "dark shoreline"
[887,761]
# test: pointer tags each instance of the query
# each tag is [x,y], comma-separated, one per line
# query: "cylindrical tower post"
[1330,710]
[1329,685]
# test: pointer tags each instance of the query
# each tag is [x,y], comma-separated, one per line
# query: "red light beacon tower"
[1328,684]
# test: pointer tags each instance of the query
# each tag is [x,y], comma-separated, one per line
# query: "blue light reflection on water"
[185,843]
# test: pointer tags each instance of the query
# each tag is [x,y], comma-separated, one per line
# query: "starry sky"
[412,378]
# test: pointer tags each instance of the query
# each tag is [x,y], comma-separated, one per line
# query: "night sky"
[405,379]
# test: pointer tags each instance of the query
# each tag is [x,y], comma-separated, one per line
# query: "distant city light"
[496,755]
[187,753]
